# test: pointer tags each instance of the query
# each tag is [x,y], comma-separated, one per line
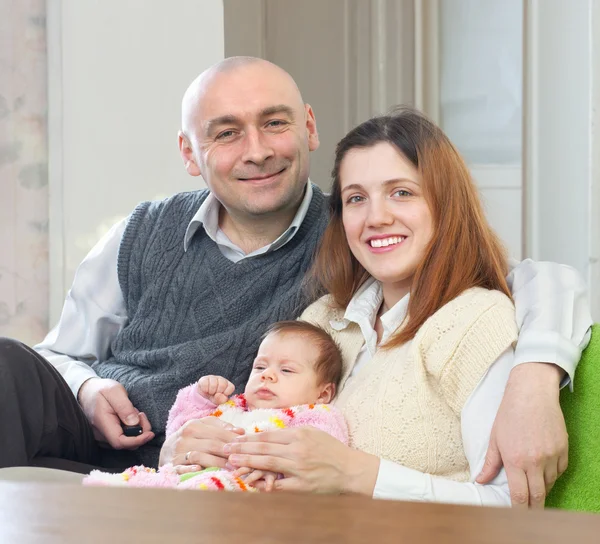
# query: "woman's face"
[387,221]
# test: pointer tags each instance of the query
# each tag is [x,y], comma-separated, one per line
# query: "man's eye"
[225,134]
[275,123]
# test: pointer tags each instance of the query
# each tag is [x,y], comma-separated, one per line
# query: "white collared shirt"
[207,216]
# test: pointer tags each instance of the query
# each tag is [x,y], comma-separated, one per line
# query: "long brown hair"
[464,251]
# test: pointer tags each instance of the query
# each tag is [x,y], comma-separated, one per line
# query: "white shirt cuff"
[398,482]
[548,347]
[402,483]
[74,372]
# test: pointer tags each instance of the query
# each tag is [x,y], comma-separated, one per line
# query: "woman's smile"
[385,244]
[385,213]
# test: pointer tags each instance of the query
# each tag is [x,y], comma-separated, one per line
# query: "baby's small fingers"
[219,398]
[229,390]
[269,482]
[202,385]
[254,476]
[242,471]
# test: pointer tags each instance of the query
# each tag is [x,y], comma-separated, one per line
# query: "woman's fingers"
[289,484]
[263,462]
[258,448]
[283,436]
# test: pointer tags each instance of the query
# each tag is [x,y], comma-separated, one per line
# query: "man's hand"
[106,404]
[216,389]
[529,435]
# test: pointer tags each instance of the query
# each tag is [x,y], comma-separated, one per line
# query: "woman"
[427,344]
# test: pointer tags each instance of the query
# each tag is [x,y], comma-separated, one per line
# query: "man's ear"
[185,150]
[311,127]
[327,394]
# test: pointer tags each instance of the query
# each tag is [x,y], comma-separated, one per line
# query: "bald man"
[186,287]
[182,287]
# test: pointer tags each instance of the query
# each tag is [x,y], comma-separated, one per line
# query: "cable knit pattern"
[195,312]
[405,404]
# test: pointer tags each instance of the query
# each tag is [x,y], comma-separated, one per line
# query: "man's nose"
[257,149]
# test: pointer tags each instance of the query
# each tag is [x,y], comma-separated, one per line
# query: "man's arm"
[93,314]
[529,437]
[552,312]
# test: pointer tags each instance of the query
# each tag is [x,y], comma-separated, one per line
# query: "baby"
[293,378]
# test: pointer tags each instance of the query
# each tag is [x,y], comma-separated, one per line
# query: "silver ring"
[187,456]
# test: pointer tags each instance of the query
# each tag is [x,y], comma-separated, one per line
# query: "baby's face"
[283,373]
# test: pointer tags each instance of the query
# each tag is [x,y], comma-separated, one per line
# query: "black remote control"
[132,430]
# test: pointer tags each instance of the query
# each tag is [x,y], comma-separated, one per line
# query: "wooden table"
[49,513]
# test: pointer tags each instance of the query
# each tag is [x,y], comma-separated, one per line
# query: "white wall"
[117,72]
[561,184]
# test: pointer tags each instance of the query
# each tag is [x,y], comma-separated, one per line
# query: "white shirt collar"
[208,217]
[363,309]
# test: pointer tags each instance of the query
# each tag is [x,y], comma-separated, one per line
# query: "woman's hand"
[198,444]
[309,459]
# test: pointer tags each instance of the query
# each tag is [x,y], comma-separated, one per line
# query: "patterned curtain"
[23,170]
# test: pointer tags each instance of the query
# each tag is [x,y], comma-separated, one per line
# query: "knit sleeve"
[464,339]
[188,405]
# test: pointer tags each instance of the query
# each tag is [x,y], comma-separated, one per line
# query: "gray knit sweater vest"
[194,312]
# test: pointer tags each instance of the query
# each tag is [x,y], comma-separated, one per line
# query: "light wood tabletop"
[51,513]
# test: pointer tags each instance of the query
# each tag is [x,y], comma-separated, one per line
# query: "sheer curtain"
[23,170]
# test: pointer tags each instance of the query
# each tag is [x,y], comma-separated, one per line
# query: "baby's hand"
[215,389]
[261,479]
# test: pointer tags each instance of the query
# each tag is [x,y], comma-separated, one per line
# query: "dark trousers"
[41,422]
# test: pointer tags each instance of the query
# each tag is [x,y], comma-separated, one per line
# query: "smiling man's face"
[249,137]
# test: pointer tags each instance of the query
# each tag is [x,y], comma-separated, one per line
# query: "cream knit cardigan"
[405,404]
